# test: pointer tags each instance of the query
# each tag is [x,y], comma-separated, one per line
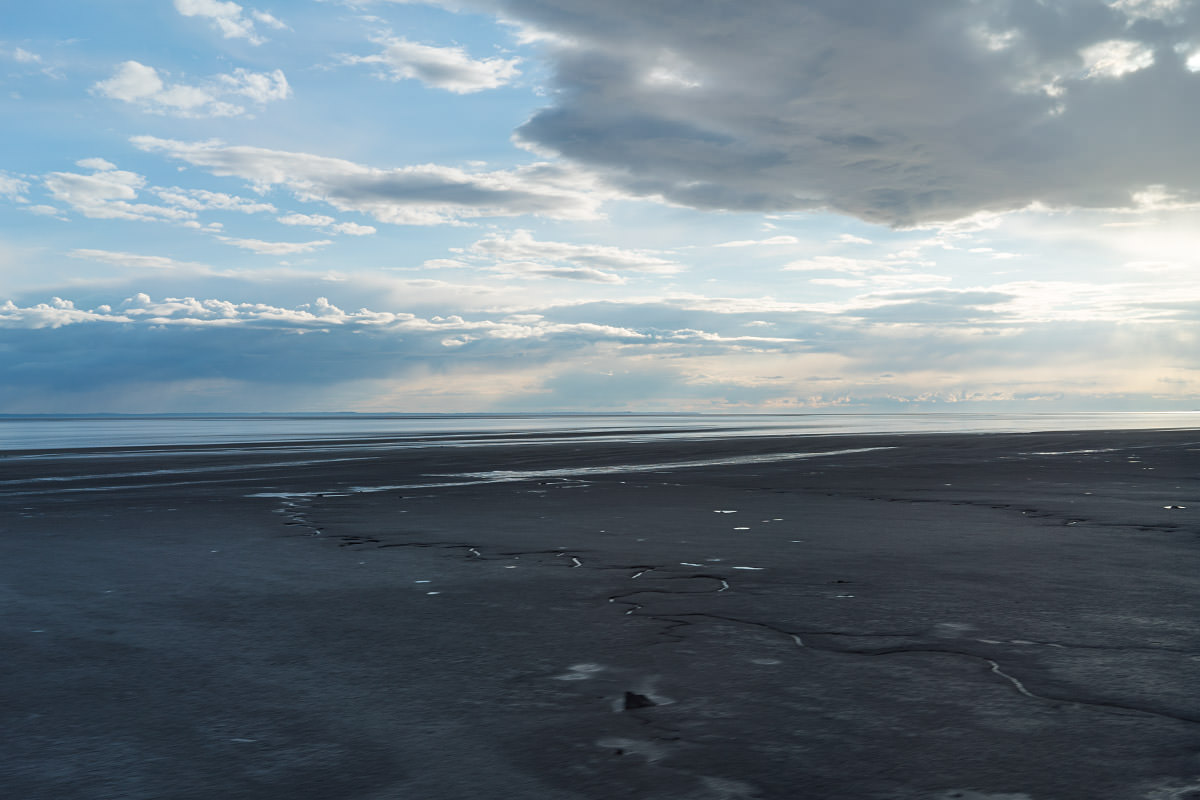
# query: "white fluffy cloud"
[230,18]
[112,193]
[144,87]
[427,194]
[261,87]
[352,229]
[131,82]
[449,68]
[108,193]
[311,220]
[55,314]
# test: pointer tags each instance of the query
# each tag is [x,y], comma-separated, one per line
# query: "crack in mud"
[804,639]
[1011,679]
[294,509]
[994,666]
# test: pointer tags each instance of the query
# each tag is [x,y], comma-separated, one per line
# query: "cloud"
[449,68]
[841,283]
[322,222]
[771,241]
[849,238]
[11,187]
[1170,11]
[427,194]
[843,264]
[125,353]
[897,113]
[529,269]
[23,56]
[996,311]
[135,260]
[261,87]
[275,248]
[112,193]
[519,254]
[569,321]
[32,61]
[311,220]
[352,229]
[107,193]
[986,345]
[97,164]
[269,20]
[141,340]
[55,314]
[1115,58]
[937,306]
[142,86]
[229,18]
[131,82]
[204,200]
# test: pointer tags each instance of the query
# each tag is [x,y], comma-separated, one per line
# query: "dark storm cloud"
[894,112]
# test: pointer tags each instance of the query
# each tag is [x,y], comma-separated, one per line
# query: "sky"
[565,205]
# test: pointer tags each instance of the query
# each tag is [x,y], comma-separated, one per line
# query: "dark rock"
[633,700]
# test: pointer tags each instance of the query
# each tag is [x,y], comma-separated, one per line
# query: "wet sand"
[991,616]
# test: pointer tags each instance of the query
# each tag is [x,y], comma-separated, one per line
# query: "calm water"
[49,433]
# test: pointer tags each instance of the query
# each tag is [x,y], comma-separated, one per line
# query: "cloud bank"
[881,350]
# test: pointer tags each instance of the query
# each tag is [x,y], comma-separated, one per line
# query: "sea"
[42,433]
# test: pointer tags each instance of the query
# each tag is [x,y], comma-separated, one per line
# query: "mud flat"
[987,617]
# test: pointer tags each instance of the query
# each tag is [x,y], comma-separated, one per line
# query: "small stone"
[633,700]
